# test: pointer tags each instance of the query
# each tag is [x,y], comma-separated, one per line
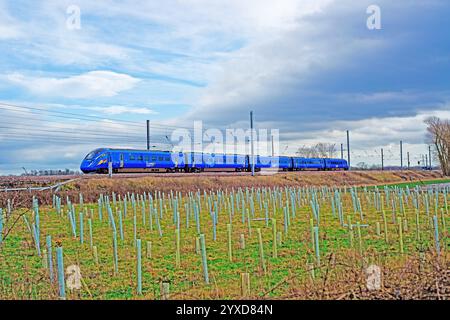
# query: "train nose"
[85,166]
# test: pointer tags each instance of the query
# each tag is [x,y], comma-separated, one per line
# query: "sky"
[310,68]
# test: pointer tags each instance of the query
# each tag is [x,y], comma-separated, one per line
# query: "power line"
[68,139]
[78,116]
[81,131]
[76,132]
[70,115]
[75,116]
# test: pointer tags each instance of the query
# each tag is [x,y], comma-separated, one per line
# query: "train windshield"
[93,154]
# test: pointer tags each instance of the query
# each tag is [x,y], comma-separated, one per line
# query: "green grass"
[411,184]
[23,275]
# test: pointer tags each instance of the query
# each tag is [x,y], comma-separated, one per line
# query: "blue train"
[128,160]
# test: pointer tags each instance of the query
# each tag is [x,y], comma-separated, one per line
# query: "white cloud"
[87,85]
[368,136]
[197,30]
[9,32]
[114,110]
[73,49]
[47,39]
[9,27]
[280,62]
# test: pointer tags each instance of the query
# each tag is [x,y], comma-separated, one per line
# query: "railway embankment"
[92,186]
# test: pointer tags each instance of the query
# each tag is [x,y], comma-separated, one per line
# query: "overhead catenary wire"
[71,115]
[161,130]
[123,132]
[125,126]
[65,139]
[76,132]
[11,107]
[79,128]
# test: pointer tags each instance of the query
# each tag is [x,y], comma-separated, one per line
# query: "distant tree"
[438,133]
[362,166]
[319,150]
[325,150]
[306,152]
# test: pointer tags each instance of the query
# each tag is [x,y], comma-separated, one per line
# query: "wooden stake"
[95,253]
[230,253]
[274,238]
[149,250]
[242,241]
[400,233]
[245,285]
[261,250]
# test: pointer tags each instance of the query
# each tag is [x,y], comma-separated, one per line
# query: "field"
[91,186]
[290,242]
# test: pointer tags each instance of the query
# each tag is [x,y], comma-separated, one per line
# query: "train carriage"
[308,164]
[198,162]
[336,164]
[273,163]
[129,160]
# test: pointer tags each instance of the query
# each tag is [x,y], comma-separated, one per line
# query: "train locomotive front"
[95,161]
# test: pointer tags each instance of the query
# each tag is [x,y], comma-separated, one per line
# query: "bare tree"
[320,150]
[331,150]
[362,166]
[306,152]
[438,133]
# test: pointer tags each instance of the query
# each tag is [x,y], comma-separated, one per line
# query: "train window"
[146,158]
[167,159]
[160,158]
[140,157]
[153,158]
[90,155]
[132,157]
[93,154]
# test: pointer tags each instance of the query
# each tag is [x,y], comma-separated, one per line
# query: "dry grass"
[92,186]
[411,278]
